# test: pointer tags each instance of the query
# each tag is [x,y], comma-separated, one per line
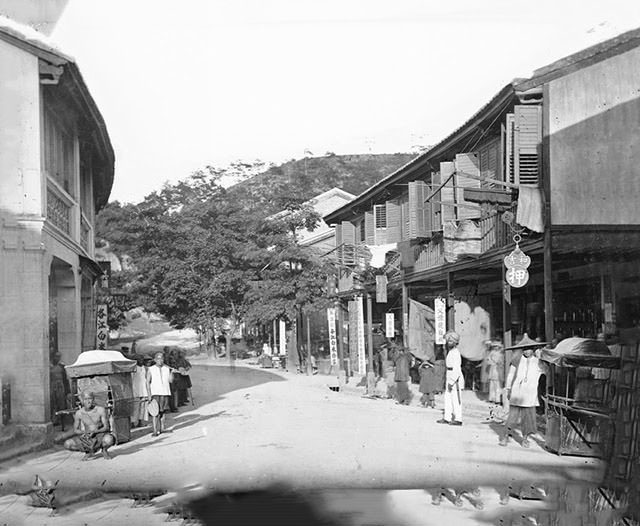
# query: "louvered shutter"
[446,195]
[466,163]
[394,226]
[380,224]
[509,169]
[419,211]
[369,231]
[348,233]
[526,144]
[405,218]
[488,157]
[338,235]
[436,209]
[349,242]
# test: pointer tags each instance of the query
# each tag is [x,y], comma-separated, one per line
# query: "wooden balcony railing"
[429,255]
[59,208]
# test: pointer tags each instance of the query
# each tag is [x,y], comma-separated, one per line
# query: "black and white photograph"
[320,262]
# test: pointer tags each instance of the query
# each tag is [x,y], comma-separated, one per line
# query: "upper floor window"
[59,155]
[380,215]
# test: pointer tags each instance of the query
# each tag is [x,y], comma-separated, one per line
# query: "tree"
[202,253]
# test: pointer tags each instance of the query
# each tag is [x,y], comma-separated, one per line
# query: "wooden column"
[545,171]
[405,314]
[340,335]
[507,338]
[451,311]
[371,380]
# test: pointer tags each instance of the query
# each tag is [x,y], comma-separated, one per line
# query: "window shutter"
[380,224]
[404,218]
[419,211]
[509,170]
[526,141]
[369,236]
[466,163]
[446,195]
[488,156]
[338,235]
[394,226]
[348,233]
[436,208]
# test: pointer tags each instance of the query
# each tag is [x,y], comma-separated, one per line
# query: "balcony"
[59,208]
[494,232]
[64,214]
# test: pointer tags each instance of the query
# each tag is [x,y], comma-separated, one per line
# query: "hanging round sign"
[517,263]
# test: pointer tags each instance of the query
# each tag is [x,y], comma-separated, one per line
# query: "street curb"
[32,447]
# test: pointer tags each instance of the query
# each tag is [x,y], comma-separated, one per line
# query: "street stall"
[108,375]
[578,403]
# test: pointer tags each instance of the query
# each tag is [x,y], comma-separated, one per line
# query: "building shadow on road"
[211,382]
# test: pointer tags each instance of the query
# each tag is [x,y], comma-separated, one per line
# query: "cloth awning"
[581,352]
[91,363]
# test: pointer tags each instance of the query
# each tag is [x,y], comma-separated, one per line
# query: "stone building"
[56,172]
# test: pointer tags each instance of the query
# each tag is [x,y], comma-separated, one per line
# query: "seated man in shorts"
[91,426]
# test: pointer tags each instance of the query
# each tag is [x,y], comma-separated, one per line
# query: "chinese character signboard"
[102,333]
[381,288]
[362,360]
[440,315]
[106,274]
[390,325]
[333,337]
[517,263]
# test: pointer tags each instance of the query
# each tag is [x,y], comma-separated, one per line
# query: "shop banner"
[333,337]
[102,333]
[362,359]
[381,288]
[440,314]
[283,337]
[421,330]
[390,325]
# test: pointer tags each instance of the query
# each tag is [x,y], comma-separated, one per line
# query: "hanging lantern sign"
[517,263]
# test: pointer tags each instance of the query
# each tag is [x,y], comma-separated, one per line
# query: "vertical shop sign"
[333,337]
[282,326]
[381,288]
[440,315]
[390,325]
[362,359]
[102,325]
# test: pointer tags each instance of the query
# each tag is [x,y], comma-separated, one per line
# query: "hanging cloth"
[530,208]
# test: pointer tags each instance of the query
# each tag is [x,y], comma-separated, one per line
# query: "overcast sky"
[182,84]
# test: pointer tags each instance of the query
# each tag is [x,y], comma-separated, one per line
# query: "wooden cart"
[108,375]
[579,409]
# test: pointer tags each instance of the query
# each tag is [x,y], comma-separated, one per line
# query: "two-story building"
[56,172]
[551,162]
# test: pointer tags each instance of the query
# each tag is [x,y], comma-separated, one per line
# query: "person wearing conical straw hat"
[522,390]
[454,381]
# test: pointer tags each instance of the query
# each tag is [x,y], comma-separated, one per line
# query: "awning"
[91,363]
[581,352]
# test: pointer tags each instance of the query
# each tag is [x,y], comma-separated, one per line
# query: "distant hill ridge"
[314,175]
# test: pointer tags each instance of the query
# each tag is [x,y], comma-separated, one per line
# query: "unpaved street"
[252,428]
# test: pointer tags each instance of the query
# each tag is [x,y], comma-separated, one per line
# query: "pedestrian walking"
[454,381]
[403,361]
[522,390]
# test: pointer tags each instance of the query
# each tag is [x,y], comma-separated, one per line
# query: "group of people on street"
[158,388]
[520,390]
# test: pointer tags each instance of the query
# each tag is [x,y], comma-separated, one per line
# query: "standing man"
[59,387]
[522,390]
[454,381]
[91,427]
[402,360]
[159,378]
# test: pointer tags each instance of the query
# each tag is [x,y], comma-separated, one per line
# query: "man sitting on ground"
[91,426]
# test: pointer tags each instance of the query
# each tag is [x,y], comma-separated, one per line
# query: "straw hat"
[526,343]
